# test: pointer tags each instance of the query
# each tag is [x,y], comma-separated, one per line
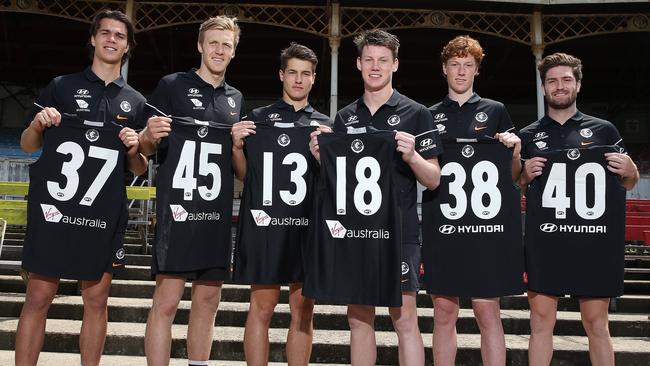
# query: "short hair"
[120,17]
[376,37]
[560,59]
[296,50]
[461,46]
[221,22]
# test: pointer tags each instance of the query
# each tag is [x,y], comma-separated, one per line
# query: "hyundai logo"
[447,229]
[194,91]
[274,115]
[439,116]
[548,227]
[82,91]
[426,142]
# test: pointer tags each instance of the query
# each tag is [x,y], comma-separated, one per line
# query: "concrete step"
[58,359]
[239,293]
[329,346]
[326,316]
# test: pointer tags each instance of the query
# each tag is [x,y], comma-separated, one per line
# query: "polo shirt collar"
[92,77]
[391,102]
[546,120]
[472,99]
[195,76]
[281,104]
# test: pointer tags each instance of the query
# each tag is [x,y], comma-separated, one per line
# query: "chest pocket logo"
[481,117]
[393,120]
[231,102]
[125,106]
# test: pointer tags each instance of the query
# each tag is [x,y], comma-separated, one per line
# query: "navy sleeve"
[159,101]
[339,125]
[505,123]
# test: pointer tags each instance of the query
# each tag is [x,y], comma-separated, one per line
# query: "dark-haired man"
[266,256]
[576,172]
[100,94]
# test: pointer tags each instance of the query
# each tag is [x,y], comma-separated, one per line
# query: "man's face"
[217,49]
[110,41]
[377,66]
[460,73]
[560,87]
[297,79]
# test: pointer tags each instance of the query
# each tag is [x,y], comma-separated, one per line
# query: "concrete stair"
[131,299]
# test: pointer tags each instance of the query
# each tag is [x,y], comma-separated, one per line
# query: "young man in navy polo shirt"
[565,127]
[98,93]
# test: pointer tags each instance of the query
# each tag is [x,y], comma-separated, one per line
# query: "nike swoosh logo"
[586,143]
[117,264]
[479,128]
[232,113]
[122,118]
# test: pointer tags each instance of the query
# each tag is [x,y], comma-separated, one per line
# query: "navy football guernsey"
[354,254]
[472,239]
[275,206]
[575,225]
[76,196]
[194,193]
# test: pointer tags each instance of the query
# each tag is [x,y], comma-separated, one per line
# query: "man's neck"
[562,115]
[460,98]
[375,99]
[213,79]
[297,104]
[107,72]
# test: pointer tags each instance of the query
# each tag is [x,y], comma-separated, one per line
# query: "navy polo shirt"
[185,94]
[579,131]
[282,112]
[399,113]
[86,95]
[476,118]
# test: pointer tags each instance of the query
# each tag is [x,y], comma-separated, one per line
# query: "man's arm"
[623,165]
[239,132]
[427,171]
[32,137]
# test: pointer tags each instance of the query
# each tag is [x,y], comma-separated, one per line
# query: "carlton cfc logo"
[231,102]
[120,253]
[573,154]
[92,135]
[393,120]
[125,106]
[405,268]
[586,133]
[202,132]
[481,117]
[284,140]
[357,146]
[548,227]
[467,151]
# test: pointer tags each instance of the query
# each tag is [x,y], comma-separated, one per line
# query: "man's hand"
[533,168]
[48,117]
[240,131]
[130,139]
[157,128]
[405,145]
[510,140]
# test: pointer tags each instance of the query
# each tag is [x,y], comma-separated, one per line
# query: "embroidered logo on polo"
[125,106]
[405,268]
[82,104]
[586,133]
[573,154]
[92,135]
[197,103]
[441,128]
[82,93]
[540,136]
[467,151]
[440,117]
[393,120]
[275,117]
[194,92]
[202,132]
[357,146]
[352,120]
[481,117]
[231,102]
[541,145]
[120,253]
[284,140]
